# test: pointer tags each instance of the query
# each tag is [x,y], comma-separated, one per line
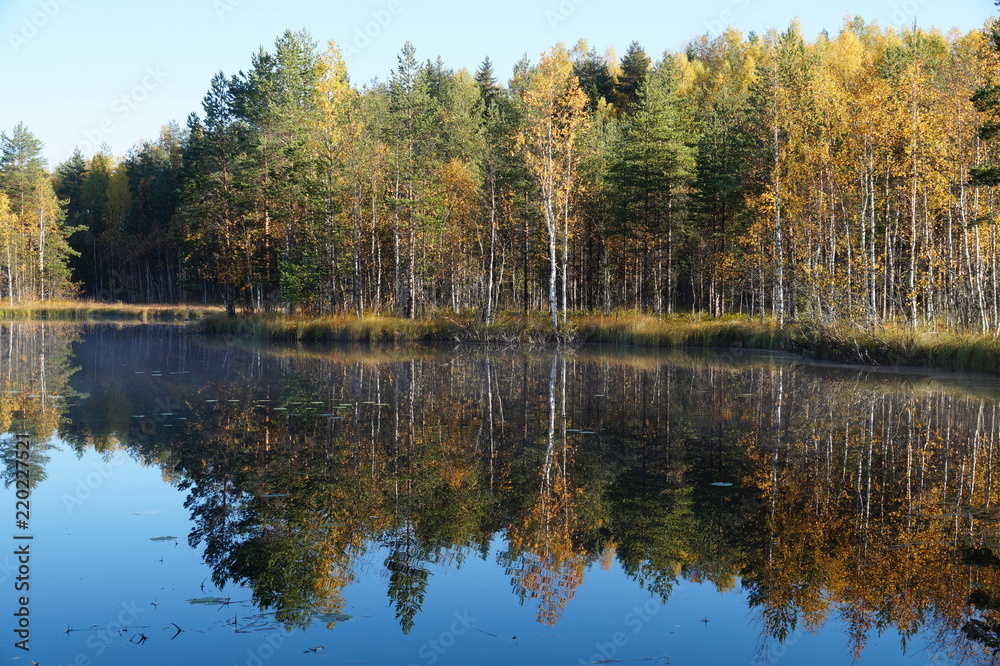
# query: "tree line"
[846,178]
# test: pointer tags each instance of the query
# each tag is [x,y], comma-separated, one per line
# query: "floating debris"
[208,601]
[334,617]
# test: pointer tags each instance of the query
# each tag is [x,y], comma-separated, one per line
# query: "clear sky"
[86,72]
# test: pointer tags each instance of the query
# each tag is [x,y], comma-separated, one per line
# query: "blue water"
[549,508]
[95,572]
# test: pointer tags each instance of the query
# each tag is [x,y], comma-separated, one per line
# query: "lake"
[171,498]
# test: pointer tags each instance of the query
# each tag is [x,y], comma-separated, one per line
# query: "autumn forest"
[845,178]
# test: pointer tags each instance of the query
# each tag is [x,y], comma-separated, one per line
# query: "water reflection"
[825,493]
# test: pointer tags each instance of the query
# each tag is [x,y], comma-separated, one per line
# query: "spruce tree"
[635,66]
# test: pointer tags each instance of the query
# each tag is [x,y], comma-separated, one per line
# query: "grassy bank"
[90,311]
[376,328]
[889,345]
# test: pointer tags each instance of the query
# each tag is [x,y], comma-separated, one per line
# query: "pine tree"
[635,66]
[591,70]
[486,79]
[652,165]
[69,181]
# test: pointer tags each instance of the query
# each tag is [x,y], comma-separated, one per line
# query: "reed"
[93,311]
[380,329]
[842,342]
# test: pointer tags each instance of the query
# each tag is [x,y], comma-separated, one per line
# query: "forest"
[847,178]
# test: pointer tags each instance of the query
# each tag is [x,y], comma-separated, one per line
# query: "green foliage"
[628,89]
[839,179]
[34,236]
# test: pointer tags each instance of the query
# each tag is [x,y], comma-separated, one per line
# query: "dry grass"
[679,331]
[378,328]
[899,345]
[93,311]
[886,345]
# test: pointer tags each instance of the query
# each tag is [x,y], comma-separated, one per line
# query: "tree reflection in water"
[867,498]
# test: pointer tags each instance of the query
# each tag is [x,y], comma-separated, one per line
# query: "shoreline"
[88,311]
[889,345]
[894,345]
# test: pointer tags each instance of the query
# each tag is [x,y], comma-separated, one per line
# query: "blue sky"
[86,72]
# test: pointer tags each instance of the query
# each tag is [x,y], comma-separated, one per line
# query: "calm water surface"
[210,502]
